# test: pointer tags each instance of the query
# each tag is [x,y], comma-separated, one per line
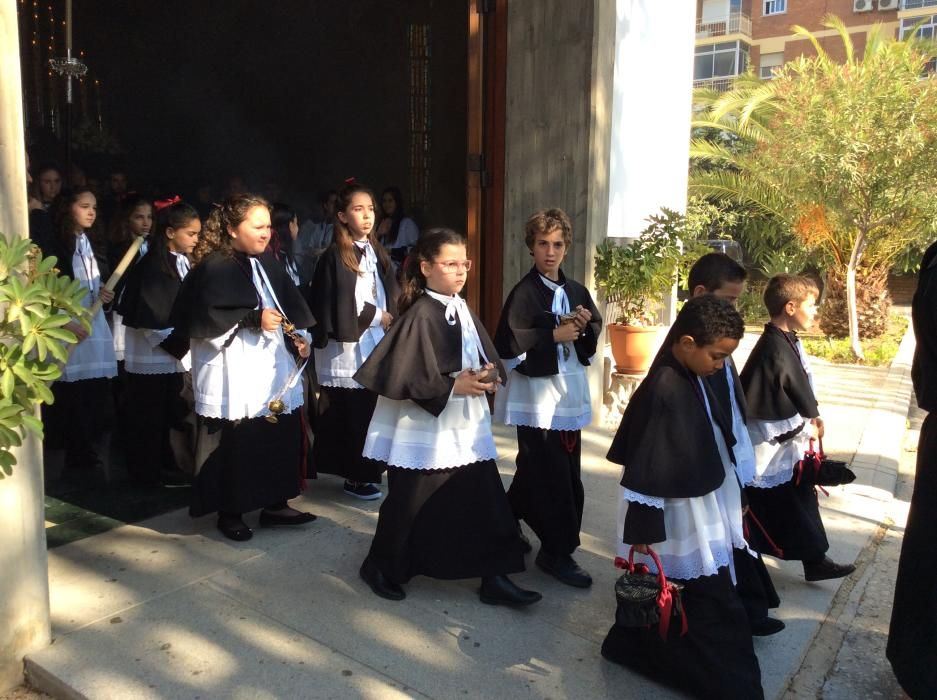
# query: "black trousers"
[152,406]
[790,514]
[912,636]
[547,489]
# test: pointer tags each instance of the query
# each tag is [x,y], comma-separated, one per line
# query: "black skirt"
[153,405]
[83,412]
[447,524]
[255,464]
[715,659]
[754,585]
[912,637]
[341,427]
[790,514]
[547,489]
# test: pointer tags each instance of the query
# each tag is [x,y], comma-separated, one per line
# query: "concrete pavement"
[170,609]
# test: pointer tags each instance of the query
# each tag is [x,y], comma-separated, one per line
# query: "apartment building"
[733,35]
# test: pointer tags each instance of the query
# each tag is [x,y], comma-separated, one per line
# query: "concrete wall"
[24,583]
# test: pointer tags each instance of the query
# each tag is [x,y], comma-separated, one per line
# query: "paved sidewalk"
[170,609]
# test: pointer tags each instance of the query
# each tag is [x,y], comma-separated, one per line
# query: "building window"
[918,4]
[723,60]
[775,7]
[927,31]
[769,64]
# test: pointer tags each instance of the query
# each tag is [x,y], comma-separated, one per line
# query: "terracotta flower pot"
[632,347]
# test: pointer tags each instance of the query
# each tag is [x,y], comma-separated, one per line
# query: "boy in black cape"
[547,335]
[912,637]
[721,276]
[782,414]
[679,492]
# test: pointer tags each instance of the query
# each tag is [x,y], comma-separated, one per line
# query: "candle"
[68,28]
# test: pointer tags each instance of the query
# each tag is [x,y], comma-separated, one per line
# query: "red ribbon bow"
[665,598]
[350,180]
[163,203]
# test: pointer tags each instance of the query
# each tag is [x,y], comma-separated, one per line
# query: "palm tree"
[842,153]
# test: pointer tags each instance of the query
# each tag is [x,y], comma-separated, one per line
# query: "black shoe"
[826,569]
[500,590]
[362,490]
[234,528]
[564,569]
[378,582]
[276,520]
[526,547]
[766,626]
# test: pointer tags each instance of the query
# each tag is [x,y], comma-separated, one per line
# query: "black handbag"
[644,599]
[817,469]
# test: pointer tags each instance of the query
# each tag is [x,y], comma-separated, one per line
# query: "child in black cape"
[547,337]
[446,514]
[912,637]
[354,299]
[233,306]
[80,420]
[680,494]
[721,276]
[782,415]
[152,404]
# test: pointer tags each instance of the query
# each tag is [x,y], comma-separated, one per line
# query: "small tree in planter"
[635,278]
[35,303]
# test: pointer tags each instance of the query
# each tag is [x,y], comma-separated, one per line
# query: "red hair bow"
[350,180]
[163,203]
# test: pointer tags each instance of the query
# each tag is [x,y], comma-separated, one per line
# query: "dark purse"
[815,468]
[644,599]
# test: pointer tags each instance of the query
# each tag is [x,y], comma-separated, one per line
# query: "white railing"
[717,84]
[733,23]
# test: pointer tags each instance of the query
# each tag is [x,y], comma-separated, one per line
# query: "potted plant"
[635,277]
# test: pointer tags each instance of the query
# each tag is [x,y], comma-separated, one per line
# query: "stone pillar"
[24,579]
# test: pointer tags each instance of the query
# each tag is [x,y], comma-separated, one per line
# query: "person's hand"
[386,319]
[302,347]
[106,295]
[818,427]
[270,319]
[565,333]
[34,203]
[77,329]
[583,316]
[468,384]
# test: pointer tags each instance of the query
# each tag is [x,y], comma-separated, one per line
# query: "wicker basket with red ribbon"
[644,599]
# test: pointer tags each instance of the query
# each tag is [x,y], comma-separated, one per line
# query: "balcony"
[914,4]
[717,84]
[733,23]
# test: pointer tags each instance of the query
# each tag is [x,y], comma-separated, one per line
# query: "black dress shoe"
[379,583]
[276,520]
[234,529]
[500,590]
[826,569]
[564,569]
[526,547]
[766,626]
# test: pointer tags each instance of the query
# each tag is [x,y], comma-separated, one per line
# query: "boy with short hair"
[721,276]
[546,337]
[783,413]
[680,494]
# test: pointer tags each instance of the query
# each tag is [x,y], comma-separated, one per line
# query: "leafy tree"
[35,304]
[842,153]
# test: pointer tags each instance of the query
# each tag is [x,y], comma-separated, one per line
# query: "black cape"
[924,319]
[332,299]
[776,384]
[527,323]
[150,288]
[219,293]
[414,360]
[665,440]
